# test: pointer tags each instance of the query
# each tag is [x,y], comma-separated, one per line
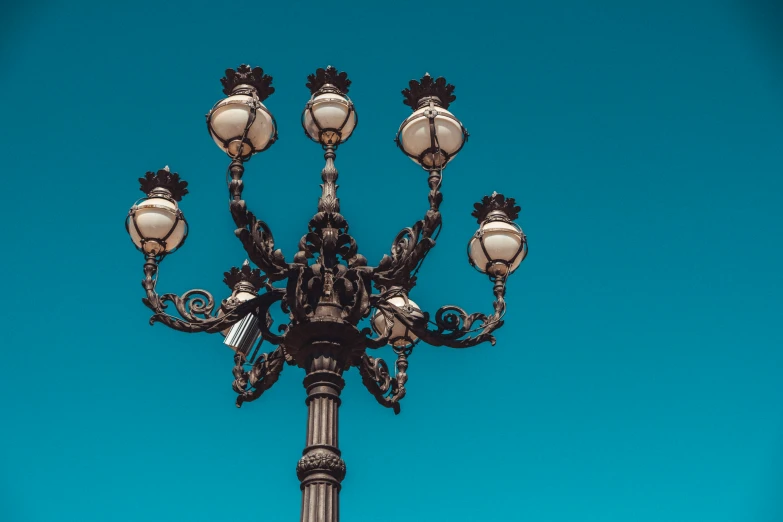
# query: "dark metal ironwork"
[418,93]
[264,373]
[164,179]
[328,76]
[495,203]
[325,291]
[245,75]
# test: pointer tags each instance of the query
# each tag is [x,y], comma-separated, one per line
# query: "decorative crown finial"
[428,87]
[245,274]
[165,179]
[495,203]
[331,76]
[245,75]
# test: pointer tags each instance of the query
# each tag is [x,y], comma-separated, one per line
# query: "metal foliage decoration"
[245,75]
[331,76]
[164,179]
[428,87]
[495,203]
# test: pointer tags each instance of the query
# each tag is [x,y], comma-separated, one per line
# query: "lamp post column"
[321,470]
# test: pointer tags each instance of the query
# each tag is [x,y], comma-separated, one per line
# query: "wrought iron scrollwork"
[255,235]
[411,245]
[387,390]
[453,326]
[408,251]
[196,307]
[250,385]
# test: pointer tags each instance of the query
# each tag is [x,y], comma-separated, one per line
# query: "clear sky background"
[638,377]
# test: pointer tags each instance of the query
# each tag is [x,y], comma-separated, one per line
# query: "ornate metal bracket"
[255,235]
[250,385]
[328,76]
[453,326]
[196,306]
[411,245]
[387,390]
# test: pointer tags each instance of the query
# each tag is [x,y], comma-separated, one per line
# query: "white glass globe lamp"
[240,124]
[499,245]
[329,118]
[431,136]
[155,224]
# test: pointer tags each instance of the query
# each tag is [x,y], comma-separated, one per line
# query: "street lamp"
[327,289]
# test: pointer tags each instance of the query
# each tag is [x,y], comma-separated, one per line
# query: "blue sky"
[637,377]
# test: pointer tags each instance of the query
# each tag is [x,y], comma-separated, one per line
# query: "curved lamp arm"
[255,235]
[412,244]
[266,370]
[387,390]
[453,326]
[196,306]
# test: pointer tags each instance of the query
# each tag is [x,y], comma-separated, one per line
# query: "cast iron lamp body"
[328,288]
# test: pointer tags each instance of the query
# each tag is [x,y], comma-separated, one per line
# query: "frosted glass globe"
[502,242]
[415,136]
[227,122]
[398,328]
[154,218]
[329,110]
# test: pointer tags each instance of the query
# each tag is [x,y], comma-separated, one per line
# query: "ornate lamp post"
[328,288]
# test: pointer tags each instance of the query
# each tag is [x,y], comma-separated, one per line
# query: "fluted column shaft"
[321,470]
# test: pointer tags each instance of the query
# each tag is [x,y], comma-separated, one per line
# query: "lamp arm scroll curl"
[196,306]
[452,326]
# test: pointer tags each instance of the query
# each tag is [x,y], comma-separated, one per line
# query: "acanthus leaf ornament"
[251,76]
[412,244]
[245,274]
[495,203]
[387,390]
[164,179]
[328,76]
[428,87]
